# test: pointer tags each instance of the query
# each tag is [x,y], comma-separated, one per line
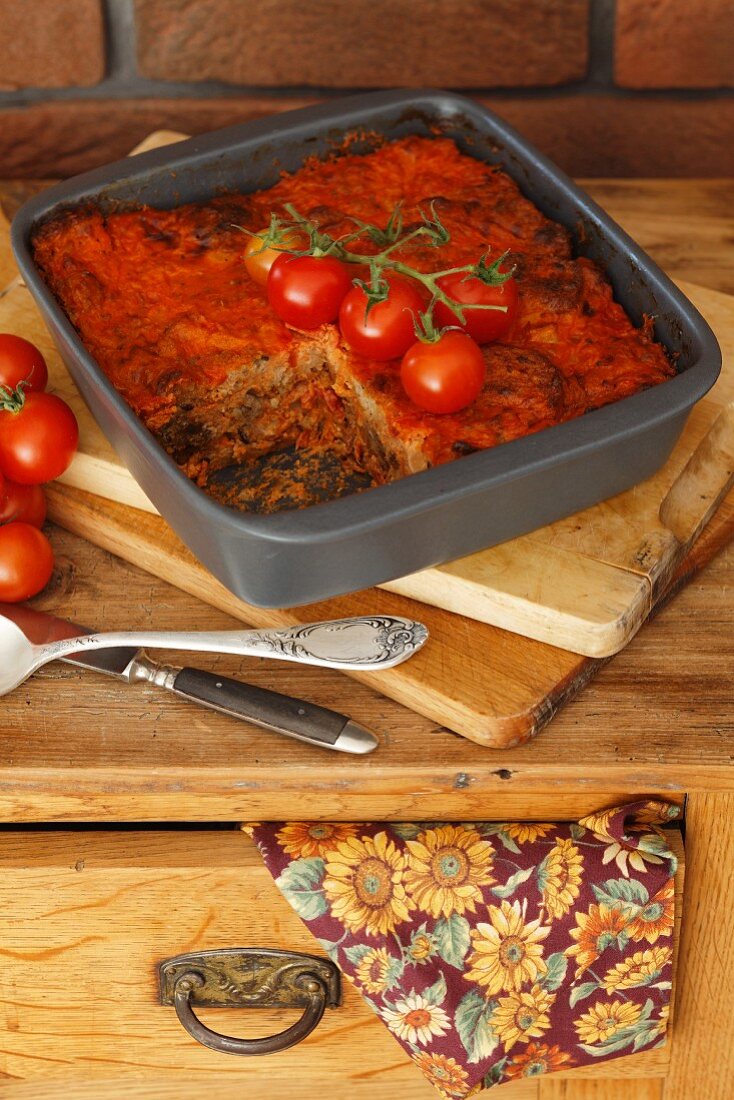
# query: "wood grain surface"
[77,746]
[85,919]
[703,1051]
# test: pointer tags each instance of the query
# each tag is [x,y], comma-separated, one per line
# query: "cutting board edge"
[601,638]
[496,731]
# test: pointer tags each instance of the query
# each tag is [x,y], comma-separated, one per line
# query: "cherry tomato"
[21,361]
[386,332]
[443,376]
[26,561]
[23,503]
[307,291]
[38,442]
[259,260]
[483,325]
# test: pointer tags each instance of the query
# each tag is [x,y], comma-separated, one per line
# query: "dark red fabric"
[492,951]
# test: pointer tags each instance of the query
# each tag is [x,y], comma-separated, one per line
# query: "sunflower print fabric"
[494,952]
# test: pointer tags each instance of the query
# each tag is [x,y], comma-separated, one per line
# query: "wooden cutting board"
[586,583]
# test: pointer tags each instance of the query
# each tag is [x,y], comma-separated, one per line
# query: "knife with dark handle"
[281,713]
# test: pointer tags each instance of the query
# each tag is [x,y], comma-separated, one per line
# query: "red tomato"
[38,442]
[306,291]
[21,361]
[387,331]
[259,260]
[23,503]
[483,325]
[26,562]
[443,376]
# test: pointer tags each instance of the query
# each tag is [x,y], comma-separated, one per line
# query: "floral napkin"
[493,952]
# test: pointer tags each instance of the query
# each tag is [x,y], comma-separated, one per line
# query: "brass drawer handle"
[256,977]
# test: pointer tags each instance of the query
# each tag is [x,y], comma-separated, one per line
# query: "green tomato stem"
[323,244]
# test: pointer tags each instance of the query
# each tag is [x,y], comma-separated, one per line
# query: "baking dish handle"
[254,978]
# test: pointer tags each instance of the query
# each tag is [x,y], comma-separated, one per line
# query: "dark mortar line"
[602,16]
[119,22]
[139,90]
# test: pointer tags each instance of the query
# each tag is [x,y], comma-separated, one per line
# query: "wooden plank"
[657,720]
[315,1087]
[553,1089]
[702,1062]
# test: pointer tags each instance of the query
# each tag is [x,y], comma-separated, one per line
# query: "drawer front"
[87,917]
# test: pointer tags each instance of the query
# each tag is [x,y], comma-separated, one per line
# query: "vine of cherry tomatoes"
[434,324]
[38,439]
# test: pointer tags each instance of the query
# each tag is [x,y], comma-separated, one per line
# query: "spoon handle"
[370,642]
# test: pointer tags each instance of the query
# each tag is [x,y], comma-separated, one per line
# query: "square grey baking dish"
[299,556]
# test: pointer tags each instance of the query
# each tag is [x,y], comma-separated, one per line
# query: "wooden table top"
[657,719]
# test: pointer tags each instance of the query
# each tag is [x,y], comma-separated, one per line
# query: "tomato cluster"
[442,369]
[38,438]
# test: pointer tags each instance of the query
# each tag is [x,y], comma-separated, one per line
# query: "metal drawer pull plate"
[255,977]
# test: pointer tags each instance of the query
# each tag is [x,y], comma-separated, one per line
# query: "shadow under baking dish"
[364,538]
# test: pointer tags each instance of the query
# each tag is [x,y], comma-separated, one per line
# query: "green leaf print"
[436,993]
[452,937]
[473,1024]
[580,992]
[512,884]
[301,884]
[357,952]
[621,893]
[556,967]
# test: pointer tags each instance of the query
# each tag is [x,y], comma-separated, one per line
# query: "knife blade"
[284,714]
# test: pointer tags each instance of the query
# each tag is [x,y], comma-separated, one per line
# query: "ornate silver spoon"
[371,642]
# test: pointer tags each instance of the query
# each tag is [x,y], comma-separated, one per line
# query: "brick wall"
[605,87]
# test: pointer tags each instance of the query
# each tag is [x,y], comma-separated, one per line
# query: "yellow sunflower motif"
[363,883]
[598,824]
[605,1019]
[520,1017]
[444,1073]
[657,917]
[526,832]
[373,970]
[422,947]
[642,968]
[507,952]
[303,839]
[595,931]
[561,878]
[447,868]
[415,1019]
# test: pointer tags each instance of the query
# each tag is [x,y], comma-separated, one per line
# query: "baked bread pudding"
[266,415]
